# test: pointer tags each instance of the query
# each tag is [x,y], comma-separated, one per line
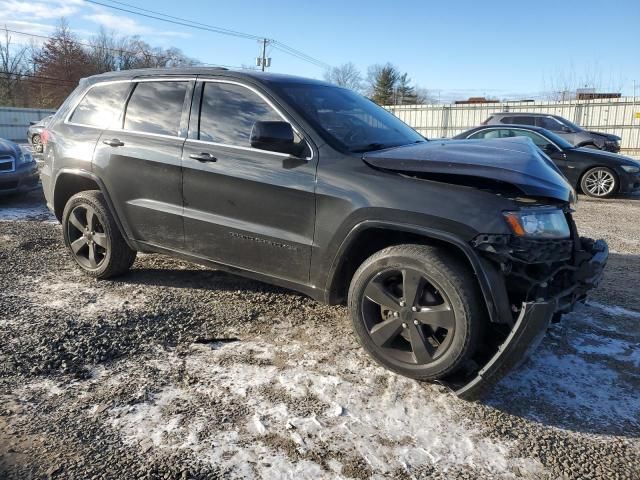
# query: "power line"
[39,79]
[113,49]
[181,21]
[211,28]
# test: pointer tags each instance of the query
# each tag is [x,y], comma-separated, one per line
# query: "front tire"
[599,182]
[93,238]
[417,311]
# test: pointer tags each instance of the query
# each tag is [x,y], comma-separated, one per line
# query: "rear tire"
[93,237]
[425,335]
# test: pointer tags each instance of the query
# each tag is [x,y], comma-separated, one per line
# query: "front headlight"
[25,157]
[630,168]
[538,223]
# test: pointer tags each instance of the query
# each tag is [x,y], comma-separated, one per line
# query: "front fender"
[491,282]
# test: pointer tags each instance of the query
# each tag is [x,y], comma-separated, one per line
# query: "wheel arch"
[369,237]
[69,182]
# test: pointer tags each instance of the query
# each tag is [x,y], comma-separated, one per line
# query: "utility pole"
[264,53]
[263,61]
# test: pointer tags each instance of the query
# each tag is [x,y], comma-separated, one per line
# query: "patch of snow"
[39,213]
[402,425]
[587,378]
[84,297]
[615,310]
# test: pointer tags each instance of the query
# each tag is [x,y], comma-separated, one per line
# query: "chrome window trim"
[248,149]
[7,159]
[509,128]
[67,120]
[271,104]
[151,134]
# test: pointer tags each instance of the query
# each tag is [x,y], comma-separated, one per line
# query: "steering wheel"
[357,135]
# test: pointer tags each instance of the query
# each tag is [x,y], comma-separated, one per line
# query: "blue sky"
[455,49]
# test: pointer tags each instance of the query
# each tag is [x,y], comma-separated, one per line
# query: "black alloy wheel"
[407,314]
[417,310]
[93,238]
[87,238]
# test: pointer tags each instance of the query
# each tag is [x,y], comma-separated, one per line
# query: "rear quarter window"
[101,105]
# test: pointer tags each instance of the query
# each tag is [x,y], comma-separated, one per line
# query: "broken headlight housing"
[538,223]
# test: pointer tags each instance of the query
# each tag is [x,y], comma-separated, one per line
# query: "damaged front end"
[540,279]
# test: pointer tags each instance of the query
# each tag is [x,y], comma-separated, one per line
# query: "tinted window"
[156,107]
[539,140]
[348,120]
[549,124]
[506,120]
[101,105]
[491,133]
[229,111]
[523,120]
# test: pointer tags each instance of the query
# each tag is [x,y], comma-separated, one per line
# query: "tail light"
[44,137]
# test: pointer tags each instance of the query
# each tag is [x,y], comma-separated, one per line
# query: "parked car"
[18,170]
[572,133]
[34,133]
[453,257]
[595,172]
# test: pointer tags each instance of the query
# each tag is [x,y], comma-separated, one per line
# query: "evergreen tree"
[384,83]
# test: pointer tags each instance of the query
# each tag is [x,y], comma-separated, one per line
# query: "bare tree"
[346,75]
[563,85]
[13,67]
[60,64]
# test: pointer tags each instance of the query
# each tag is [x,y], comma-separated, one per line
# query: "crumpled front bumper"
[534,319]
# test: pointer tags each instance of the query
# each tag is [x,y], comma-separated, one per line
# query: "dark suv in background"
[574,134]
[453,257]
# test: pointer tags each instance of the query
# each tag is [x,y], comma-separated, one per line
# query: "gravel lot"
[175,371]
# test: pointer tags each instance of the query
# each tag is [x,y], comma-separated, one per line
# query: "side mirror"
[33,122]
[549,149]
[275,137]
[566,129]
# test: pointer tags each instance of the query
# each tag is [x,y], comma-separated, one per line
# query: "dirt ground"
[175,371]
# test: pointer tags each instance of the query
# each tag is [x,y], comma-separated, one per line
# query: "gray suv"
[453,257]
[574,134]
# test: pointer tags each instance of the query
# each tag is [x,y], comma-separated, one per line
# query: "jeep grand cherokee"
[453,257]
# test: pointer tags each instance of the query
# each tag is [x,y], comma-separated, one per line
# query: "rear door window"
[491,133]
[101,105]
[156,107]
[523,120]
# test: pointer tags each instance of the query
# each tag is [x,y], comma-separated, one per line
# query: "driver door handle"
[114,142]
[203,157]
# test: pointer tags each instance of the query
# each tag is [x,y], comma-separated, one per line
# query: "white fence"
[14,122]
[617,116]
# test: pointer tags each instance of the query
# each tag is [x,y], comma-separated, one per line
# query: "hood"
[608,136]
[516,161]
[9,148]
[604,156]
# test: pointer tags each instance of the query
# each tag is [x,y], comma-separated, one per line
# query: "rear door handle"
[114,142]
[203,157]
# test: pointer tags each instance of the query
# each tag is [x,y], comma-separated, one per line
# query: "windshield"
[569,124]
[347,120]
[558,140]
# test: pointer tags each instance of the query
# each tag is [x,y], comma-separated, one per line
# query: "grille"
[7,164]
